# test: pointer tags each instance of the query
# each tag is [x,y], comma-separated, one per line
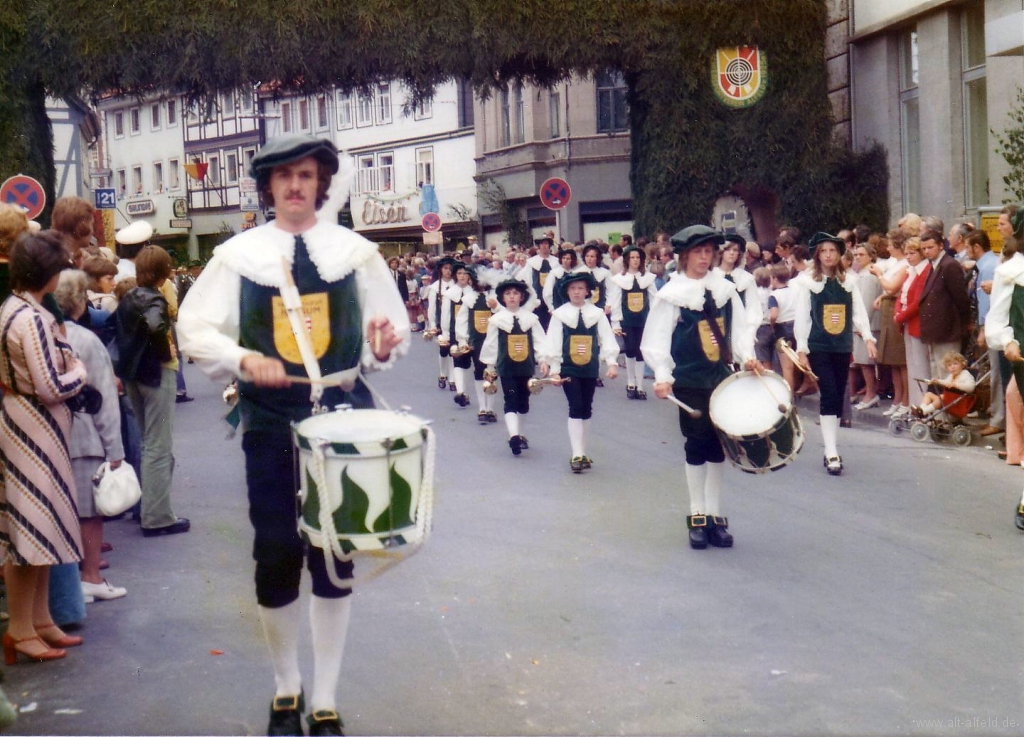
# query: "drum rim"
[412,433]
[733,378]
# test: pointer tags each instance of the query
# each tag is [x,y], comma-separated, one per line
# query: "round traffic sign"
[555,193]
[25,192]
[431,222]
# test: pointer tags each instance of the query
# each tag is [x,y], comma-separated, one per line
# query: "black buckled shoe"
[286,715]
[630,392]
[462,400]
[697,524]
[491,417]
[324,722]
[452,387]
[1020,517]
[576,464]
[587,462]
[834,466]
[641,394]
[515,444]
[481,417]
[524,443]
[442,382]
[718,532]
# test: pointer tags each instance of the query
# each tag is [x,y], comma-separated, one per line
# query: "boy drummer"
[514,335]
[697,327]
[578,339]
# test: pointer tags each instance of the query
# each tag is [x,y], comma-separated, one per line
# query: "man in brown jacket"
[945,307]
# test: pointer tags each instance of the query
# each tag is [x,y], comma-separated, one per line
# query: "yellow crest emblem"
[543,277]
[480,320]
[595,295]
[581,349]
[708,343]
[833,317]
[518,347]
[635,301]
[317,319]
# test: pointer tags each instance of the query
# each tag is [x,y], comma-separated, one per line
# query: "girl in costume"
[470,331]
[567,262]
[435,297]
[829,309]
[633,293]
[514,336]
[730,266]
[579,338]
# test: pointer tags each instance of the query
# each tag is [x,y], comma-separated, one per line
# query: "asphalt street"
[885,601]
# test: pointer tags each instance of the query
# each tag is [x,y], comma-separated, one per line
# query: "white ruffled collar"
[600,273]
[535,262]
[806,281]
[625,281]
[742,279]
[569,315]
[502,319]
[682,291]
[455,293]
[256,254]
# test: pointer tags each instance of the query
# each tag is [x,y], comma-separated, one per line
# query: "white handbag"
[115,490]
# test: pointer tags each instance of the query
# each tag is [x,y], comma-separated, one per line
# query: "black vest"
[581,352]
[635,304]
[831,319]
[478,317]
[700,361]
[515,352]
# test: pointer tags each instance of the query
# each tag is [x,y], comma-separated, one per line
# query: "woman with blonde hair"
[892,350]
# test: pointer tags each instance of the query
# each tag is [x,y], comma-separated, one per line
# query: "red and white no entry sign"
[25,192]
[555,193]
[431,222]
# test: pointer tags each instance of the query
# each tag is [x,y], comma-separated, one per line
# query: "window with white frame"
[344,110]
[231,167]
[119,124]
[322,118]
[122,182]
[213,171]
[134,121]
[386,168]
[304,115]
[972,28]
[555,113]
[383,103]
[520,129]
[366,174]
[364,111]
[464,92]
[424,166]
[158,177]
[910,122]
[612,110]
[173,173]
[245,97]
[154,116]
[227,104]
[172,113]
[286,117]
[424,109]
[247,156]
[137,179]
[504,119]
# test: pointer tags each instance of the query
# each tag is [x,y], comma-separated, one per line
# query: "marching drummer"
[698,327]
[828,311]
[235,322]
[633,291]
[578,340]
[435,296]
[514,335]
[470,330]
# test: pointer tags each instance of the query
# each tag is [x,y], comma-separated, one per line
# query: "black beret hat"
[520,286]
[694,236]
[736,238]
[574,276]
[819,238]
[284,150]
[544,239]
[629,250]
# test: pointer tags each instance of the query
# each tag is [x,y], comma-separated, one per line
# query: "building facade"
[931,81]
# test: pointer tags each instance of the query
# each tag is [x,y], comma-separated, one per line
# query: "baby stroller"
[948,421]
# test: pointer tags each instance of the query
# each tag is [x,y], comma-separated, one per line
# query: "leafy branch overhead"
[1011,148]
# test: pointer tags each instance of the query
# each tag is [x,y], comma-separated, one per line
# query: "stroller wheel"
[962,436]
[895,428]
[920,432]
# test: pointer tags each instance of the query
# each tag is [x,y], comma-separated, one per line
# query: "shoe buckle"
[285,703]
[325,715]
[698,520]
[720,521]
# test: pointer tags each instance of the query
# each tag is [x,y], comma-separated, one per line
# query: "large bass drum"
[757,436]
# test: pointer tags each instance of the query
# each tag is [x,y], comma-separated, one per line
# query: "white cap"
[138,232]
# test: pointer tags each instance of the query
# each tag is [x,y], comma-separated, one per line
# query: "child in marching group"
[579,338]
[473,308]
[514,336]
[631,299]
[435,293]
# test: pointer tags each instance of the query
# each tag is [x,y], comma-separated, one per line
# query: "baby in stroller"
[957,384]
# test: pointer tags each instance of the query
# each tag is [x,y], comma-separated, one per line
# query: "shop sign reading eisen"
[739,75]
[384,213]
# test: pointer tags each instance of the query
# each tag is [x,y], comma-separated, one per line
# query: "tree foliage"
[686,148]
[1011,148]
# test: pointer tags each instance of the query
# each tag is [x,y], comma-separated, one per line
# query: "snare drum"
[756,436]
[367,467]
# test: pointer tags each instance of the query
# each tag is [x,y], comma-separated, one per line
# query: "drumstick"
[792,355]
[782,407]
[694,413]
[376,337]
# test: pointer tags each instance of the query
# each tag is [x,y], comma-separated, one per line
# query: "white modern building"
[409,159]
[931,81]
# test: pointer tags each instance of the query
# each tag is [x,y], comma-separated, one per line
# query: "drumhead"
[743,406]
[360,426]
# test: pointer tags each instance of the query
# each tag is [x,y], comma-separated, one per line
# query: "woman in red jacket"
[908,315]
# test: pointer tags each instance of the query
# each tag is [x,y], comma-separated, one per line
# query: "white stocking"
[450,362]
[576,437]
[639,375]
[512,423]
[696,477]
[829,434]
[586,434]
[713,487]
[328,619]
[481,395]
[460,379]
[281,631]
[443,362]
[630,371]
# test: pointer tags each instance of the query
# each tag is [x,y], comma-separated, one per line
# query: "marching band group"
[561,320]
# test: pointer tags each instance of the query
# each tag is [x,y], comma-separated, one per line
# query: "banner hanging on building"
[739,75]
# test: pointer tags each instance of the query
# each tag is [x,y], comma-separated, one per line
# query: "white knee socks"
[713,487]
[829,434]
[576,437]
[630,371]
[460,379]
[281,630]
[512,423]
[639,371]
[481,395]
[329,620]
[696,479]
